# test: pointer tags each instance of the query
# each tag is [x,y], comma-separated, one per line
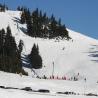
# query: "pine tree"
[20,46]
[3,7]
[39,25]
[10,55]
[2,39]
[35,58]
[18,8]
[23,18]
[59,22]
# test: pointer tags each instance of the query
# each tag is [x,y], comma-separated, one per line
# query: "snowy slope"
[68,57]
[79,55]
[16,81]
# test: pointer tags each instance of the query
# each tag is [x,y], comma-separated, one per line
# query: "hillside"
[78,55]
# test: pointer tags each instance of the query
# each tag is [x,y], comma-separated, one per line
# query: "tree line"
[10,53]
[3,7]
[40,25]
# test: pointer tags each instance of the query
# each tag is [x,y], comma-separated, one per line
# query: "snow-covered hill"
[76,57]
[79,55]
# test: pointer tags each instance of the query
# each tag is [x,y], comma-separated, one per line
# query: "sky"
[77,15]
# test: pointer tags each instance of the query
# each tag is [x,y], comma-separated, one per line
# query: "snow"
[16,81]
[17,94]
[69,58]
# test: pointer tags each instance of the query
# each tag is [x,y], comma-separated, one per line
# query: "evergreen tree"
[35,58]
[2,39]
[59,22]
[20,46]
[10,55]
[39,25]
[53,27]
[18,8]
[3,7]
[10,52]
[23,19]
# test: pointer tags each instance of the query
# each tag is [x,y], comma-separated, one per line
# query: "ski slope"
[16,81]
[78,55]
[69,57]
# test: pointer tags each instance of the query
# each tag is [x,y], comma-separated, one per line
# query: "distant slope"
[79,55]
